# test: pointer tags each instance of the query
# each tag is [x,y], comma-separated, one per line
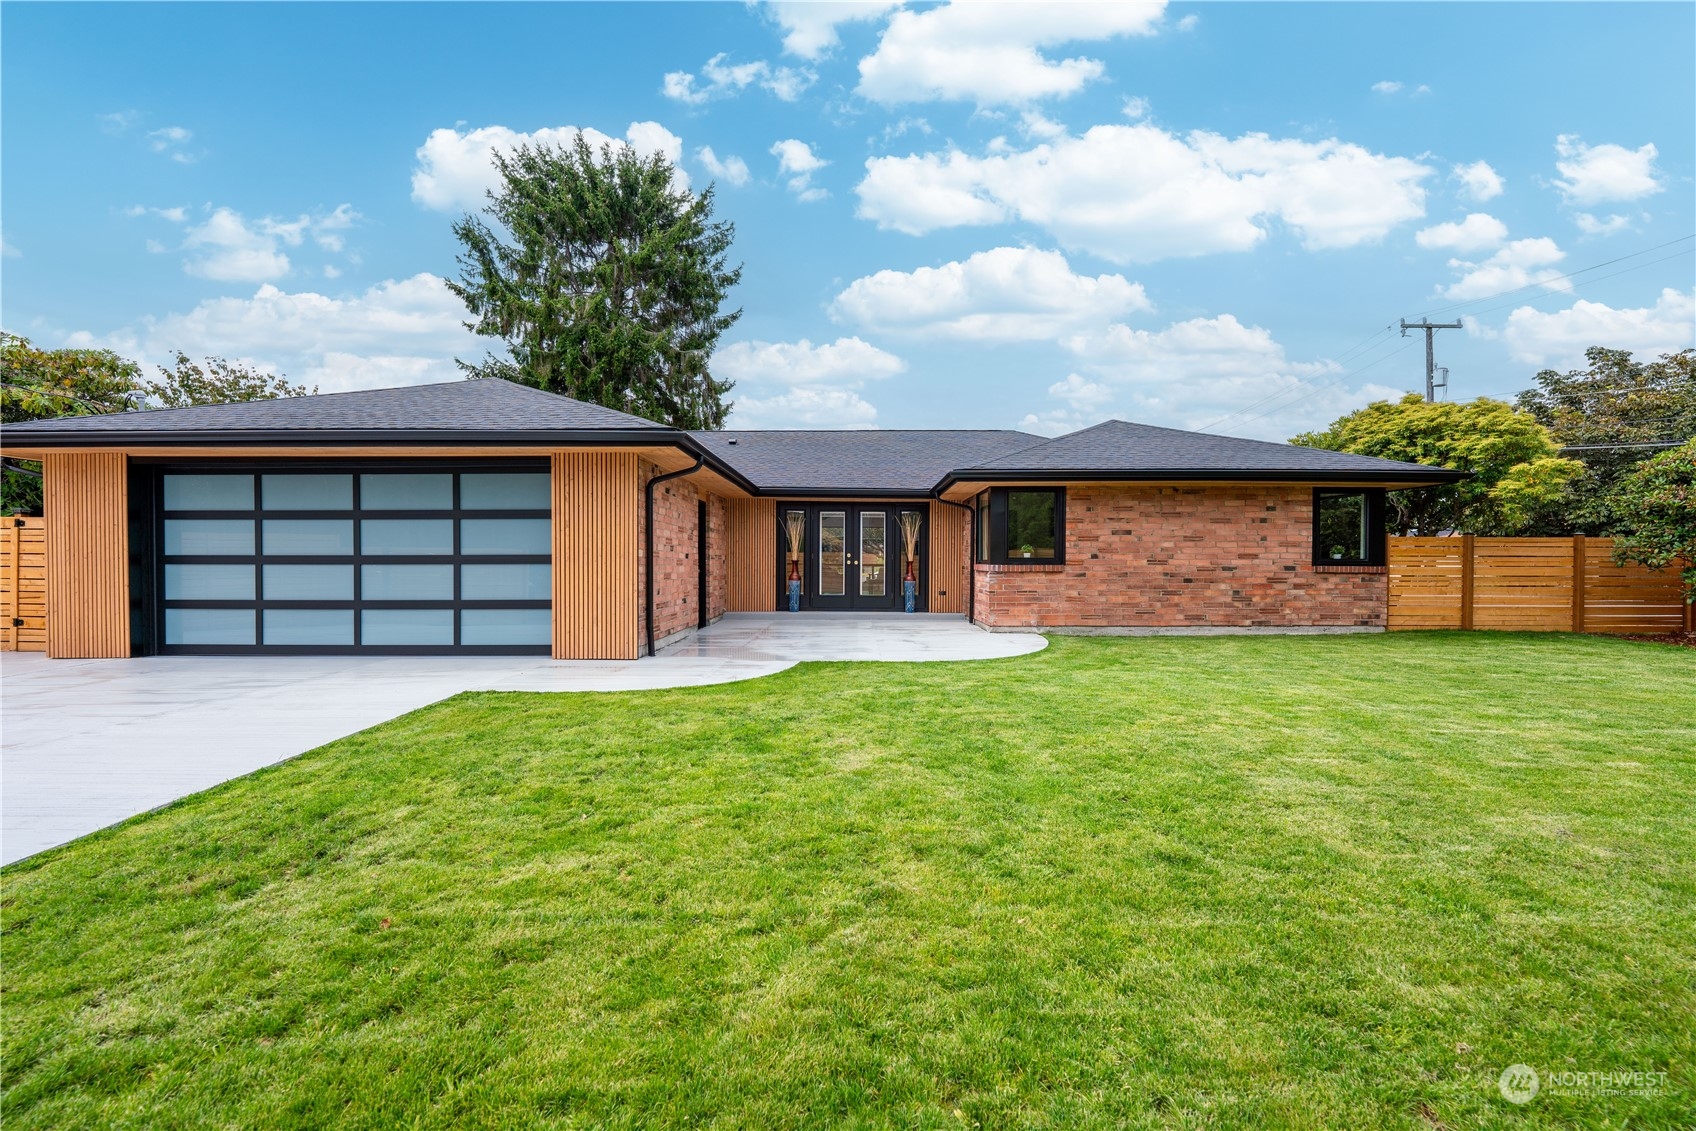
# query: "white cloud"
[1189,22]
[455,169]
[174,215]
[1479,182]
[798,384]
[8,250]
[1478,231]
[797,161]
[725,80]
[731,169]
[1522,263]
[163,139]
[1560,337]
[1135,109]
[228,248]
[804,408]
[1601,226]
[403,332]
[1135,193]
[809,27]
[1386,87]
[1190,374]
[846,360]
[988,53]
[1592,174]
[1007,294]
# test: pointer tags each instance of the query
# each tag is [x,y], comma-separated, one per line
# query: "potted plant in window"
[910,521]
[795,531]
[1026,549]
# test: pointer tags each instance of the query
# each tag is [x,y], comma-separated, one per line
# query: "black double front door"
[851,556]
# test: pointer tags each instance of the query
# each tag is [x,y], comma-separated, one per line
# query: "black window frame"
[1376,534]
[154,475]
[990,516]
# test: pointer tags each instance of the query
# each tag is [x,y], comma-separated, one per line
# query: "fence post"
[1465,581]
[1578,583]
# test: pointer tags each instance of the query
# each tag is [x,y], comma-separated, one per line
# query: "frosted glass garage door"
[319,559]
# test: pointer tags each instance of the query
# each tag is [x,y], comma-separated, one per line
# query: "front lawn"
[1214,882]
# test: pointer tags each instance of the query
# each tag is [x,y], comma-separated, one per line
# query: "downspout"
[971,559]
[648,516]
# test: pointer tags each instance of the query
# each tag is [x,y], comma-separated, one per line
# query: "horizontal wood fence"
[1529,585]
[23,584]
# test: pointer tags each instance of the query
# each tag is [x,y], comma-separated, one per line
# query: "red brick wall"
[674,565]
[1183,557]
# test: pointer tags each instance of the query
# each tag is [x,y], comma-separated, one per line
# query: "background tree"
[38,384]
[1606,409]
[1655,506]
[217,382]
[1517,474]
[604,280]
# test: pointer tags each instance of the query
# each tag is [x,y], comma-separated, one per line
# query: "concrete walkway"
[88,743]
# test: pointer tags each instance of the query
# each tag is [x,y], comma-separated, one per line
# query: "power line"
[1542,283]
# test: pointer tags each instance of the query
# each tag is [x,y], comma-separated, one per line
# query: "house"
[486,517]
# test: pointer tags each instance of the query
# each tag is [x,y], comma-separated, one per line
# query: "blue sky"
[1199,215]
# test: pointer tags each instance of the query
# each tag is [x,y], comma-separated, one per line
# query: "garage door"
[303,559]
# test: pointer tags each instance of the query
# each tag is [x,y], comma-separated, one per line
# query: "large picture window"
[1021,525]
[1348,527]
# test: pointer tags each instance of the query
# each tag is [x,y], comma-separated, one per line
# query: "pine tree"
[604,280]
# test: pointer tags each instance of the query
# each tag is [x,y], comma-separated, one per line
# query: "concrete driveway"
[89,743]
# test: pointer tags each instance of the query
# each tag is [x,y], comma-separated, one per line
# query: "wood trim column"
[86,504]
[1578,583]
[597,581]
[1467,559]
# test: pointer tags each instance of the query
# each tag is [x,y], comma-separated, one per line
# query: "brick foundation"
[1183,558]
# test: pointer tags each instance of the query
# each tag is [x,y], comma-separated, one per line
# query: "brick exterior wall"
[1183,557]
[676,580]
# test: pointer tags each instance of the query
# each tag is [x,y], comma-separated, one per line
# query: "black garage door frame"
[148,561]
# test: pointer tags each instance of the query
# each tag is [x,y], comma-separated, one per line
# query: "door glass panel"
[406,626]
[430,492]
[306,492]
[503,491]
[314,536]
[833,553]
[208,492]
[209,583]
[309,626]
[503,536]
[208,536]
[874,540]
[505,626]
[406,536]
[309,583]
[406,582]
[504,582]
[209,626]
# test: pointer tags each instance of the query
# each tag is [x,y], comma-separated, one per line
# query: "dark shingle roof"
[847,461]
[1117,446]
[490,405]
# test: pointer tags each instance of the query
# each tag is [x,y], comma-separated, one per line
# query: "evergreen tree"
[604,280]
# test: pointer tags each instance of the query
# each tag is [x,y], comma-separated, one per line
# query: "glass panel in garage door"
[308,537]
[407,582]
[503,491]
[407,626]
[407,492]
[308,626]
[208,492]
[391,536]
[294,492]
[308,583]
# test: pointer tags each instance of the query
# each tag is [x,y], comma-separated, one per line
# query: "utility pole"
[1430,329]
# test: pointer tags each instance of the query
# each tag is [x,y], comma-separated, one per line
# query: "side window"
[1348,527]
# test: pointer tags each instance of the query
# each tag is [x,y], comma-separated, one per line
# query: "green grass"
[1222,882]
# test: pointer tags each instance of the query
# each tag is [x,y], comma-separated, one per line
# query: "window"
[1348,527]
[1021,524]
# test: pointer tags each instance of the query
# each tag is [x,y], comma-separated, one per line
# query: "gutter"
[1425,477]
[648,535]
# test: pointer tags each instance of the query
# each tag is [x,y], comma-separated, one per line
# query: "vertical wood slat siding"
[597,597]
[23,584]
[1528,585]
[750,555]
[950,573]
[86,504]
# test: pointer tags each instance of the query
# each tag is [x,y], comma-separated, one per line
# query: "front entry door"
[853,557]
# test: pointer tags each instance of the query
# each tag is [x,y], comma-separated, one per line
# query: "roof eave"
[1424,477]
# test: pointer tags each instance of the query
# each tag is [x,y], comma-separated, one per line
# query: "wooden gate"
[23,584]
[1529,585]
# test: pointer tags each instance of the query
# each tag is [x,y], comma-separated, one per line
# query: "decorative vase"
[794,594]
[910,594]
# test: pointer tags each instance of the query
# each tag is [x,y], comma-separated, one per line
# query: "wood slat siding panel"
[86,504]
[1425,583]
[597,509]
[23,584]
[949,571]
[751,555]
[1528,585]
